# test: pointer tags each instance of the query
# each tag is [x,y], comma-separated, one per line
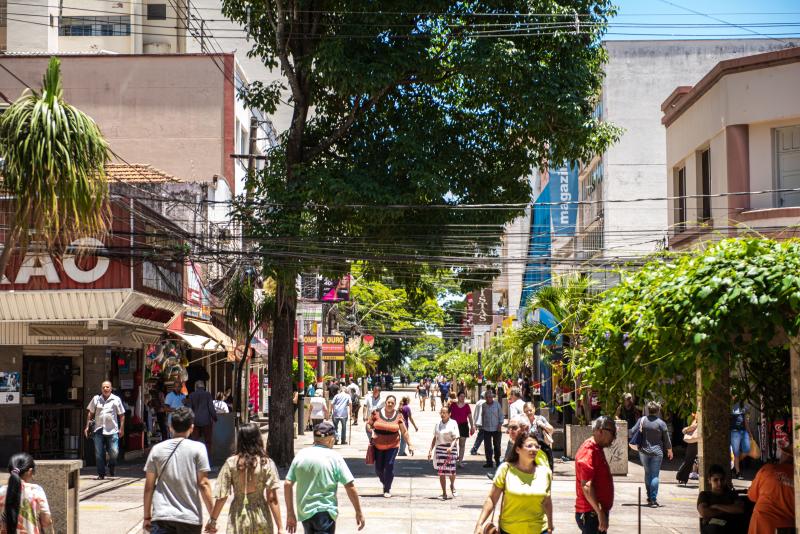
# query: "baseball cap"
[324,429]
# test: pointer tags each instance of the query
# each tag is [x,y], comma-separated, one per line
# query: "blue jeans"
[403,445]
[320,523]
[478,441]
[384,467]
[588,522]
[652,466]
[740,442]
[341,436]
[103,444]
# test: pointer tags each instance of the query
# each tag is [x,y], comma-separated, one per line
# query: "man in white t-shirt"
[176,484]
[515,403]
[319,408]
[341,413]
[107,414]
[371,403]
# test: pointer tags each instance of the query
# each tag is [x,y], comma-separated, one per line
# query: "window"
[787,165]
[680,202]
[94,26]
[156,11]
[705,185]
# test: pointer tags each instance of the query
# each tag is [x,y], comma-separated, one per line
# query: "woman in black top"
[721,511]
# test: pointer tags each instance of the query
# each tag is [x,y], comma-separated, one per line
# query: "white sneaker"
[387,495]
[454,492]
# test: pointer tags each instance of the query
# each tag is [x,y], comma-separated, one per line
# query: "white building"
[639,76]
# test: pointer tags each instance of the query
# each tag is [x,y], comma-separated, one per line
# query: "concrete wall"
[253,68]
[168,111]
[29,28]
[639,77]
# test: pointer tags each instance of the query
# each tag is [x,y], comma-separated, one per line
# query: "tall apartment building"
[612,225]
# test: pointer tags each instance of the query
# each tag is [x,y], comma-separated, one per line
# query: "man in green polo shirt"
[317,471]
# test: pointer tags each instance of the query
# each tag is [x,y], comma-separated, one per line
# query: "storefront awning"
[214,333]
[121,305]
[200,342]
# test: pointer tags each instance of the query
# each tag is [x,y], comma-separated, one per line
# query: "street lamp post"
[301,393]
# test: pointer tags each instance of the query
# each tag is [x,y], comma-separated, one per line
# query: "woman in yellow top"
[524,486]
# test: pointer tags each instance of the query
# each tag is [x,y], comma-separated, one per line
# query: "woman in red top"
[462,415]
[385,427]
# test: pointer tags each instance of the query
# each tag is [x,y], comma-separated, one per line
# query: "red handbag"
[370,458]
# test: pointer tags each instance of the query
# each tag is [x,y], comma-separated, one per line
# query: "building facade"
[614,224]
[733,151]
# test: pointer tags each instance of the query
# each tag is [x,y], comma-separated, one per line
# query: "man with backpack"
[177,481]
[105,422]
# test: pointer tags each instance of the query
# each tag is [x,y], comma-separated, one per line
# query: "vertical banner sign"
[563,186]
[466,322]
[482,307]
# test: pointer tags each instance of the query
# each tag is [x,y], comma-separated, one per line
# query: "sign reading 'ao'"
[36,265]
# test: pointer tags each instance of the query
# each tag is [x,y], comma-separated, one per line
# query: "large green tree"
[54,160]
[402,110]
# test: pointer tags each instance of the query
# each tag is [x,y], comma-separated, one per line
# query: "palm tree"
[247,308]
[568,300]
[54,160]
[362,361]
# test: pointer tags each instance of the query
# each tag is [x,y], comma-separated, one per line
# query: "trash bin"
[60,480]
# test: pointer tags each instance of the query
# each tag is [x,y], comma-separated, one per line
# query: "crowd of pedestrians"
[178,488]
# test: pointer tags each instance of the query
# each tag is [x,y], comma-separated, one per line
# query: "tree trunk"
[713,416]
[281,436]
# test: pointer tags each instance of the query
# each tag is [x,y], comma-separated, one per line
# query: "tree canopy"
[731,307]
[402,112]
[54,158]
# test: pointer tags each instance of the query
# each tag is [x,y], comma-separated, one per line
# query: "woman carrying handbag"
[523,488]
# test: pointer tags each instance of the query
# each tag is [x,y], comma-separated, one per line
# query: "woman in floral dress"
[23,504]
[253,479]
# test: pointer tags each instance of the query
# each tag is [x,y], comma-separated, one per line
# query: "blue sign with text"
[563,187]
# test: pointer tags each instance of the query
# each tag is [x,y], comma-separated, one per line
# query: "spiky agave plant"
[54,169]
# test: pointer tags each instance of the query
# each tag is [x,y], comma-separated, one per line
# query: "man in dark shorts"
[444,391]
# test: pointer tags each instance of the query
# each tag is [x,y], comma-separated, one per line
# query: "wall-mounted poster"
[9,387]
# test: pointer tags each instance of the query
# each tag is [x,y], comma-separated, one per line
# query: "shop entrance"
[51,411]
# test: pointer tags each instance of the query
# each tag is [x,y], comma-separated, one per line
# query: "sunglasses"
[513,427]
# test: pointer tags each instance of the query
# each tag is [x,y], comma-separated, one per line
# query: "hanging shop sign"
[316,288]
[332,348]
[482,313]
[563,187]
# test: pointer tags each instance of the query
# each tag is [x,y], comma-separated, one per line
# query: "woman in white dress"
[444,451]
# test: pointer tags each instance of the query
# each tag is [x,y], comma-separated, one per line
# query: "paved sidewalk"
[414,507]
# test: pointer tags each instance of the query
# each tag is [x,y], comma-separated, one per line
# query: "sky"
[640,19]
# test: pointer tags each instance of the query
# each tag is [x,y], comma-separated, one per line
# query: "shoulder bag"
[491,527]
[693,436]
[164,467]
[637,435]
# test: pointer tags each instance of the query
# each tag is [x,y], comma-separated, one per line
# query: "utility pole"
[251,153]
[301,385]
[480,374]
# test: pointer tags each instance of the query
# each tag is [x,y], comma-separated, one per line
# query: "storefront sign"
[482,304]
[563,187]
[332,348]
[41,265]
